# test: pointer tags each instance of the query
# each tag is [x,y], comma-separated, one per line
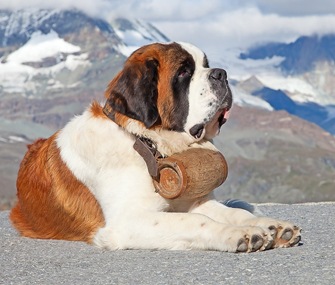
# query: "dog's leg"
[284,234]
[180,231]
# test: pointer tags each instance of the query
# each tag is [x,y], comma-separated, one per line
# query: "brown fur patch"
[52,203]
[112,84]
[96,110]
[169,57]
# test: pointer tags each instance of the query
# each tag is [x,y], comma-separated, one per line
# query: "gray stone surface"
[28,261]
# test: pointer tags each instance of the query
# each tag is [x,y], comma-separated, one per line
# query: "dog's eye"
[184,73]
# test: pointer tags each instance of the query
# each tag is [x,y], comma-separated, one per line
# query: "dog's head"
[170,86]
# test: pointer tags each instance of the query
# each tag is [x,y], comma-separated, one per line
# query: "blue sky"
[213,25]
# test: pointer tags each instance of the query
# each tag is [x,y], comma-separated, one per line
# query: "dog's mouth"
[223,116]
[213,127]
[197,130]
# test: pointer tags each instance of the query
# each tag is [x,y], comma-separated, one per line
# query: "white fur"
[203,104]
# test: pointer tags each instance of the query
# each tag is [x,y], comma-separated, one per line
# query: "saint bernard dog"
[87,183]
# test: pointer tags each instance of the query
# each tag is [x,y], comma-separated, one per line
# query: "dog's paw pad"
[287,234]
[283,233]
[295,241]
[273,231]
[288,237]
[242,245]
[256,242]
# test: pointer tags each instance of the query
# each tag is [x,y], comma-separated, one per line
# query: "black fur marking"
[135,96]
[205,62]
[180,88]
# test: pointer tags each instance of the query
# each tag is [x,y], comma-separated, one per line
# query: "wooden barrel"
[190,174]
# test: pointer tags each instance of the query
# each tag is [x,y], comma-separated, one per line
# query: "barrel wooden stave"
[190,174]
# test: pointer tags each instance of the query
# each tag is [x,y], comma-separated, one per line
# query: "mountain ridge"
[21,24]
[300,56]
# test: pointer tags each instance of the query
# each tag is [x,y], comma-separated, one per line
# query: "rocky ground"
[27,261]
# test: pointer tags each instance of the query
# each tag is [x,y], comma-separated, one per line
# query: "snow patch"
[244,99]
[132,38]
[56,85]
[41,46]
[126,50]
[15,77]
[72,62]
[303,91]
[13,139]
[74,85]
[331,113]
[141,34]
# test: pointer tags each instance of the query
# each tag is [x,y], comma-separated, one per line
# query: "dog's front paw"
[250,239]
[284,234]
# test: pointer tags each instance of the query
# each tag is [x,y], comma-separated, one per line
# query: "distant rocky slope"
[276,157]
[53,63]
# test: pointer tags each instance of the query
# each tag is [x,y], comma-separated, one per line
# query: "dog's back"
[52,203]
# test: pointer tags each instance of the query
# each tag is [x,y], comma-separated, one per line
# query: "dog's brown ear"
[133,93]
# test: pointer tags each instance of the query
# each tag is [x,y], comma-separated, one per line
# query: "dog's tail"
[236,203]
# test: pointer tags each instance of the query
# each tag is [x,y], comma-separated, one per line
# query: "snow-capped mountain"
[17,27]
[298,77]
[307,66]
[37,45]
[135,34]
[299,56]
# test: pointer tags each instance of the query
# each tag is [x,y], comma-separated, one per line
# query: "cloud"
[159,10]
[291,8]
[91,7]
[146,9]
[180,10]
[213,25]
[245,27]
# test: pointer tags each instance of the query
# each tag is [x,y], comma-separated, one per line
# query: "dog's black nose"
[218,74]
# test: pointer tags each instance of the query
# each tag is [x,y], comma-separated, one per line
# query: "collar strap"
[148,150]
[109,112]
